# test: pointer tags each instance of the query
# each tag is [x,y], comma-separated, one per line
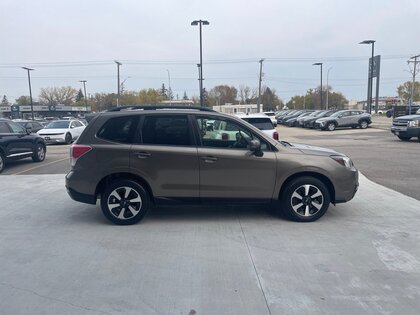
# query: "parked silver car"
[344,118]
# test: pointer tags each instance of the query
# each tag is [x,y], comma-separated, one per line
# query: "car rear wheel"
[305,199]
[331,126]
[403,138]
[39,154]
[68,138]
[363,124]
[2,162]
[125,202]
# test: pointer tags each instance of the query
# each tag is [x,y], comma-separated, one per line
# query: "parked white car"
[262,122]
[62,131]
[272,116]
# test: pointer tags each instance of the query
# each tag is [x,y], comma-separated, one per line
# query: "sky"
[68,41]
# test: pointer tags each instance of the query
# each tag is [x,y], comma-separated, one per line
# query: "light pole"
[84,88]
[169,88]
[118,82]
[328,73]
[259,87]
[319,64]
[30,91]
[370,75]
[414,82]
[200,23]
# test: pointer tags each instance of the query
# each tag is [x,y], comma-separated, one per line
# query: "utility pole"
[328,73]
[84,88]
[259,87]
[320,64]
[414,82]
[118,82]
[30,91]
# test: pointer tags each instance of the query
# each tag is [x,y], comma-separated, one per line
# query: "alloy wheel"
[124,203]
[41,153]
[307,200]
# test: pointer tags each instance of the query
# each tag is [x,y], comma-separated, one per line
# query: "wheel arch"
[120,176]
[318,176]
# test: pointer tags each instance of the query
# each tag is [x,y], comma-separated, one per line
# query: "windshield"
[58,125]
[260,123]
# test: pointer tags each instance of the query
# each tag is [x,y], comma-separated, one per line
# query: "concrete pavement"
[62,257]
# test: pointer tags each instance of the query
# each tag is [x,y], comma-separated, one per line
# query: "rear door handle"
[143,155]
[209,159]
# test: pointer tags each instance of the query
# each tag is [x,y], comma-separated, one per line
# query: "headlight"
[343,160]
[413,123]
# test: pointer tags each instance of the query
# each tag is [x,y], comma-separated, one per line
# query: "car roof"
[254,115]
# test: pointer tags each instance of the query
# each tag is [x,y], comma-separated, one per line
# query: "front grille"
[400,123]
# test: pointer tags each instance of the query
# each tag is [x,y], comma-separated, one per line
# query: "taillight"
[276,135]
[77,150]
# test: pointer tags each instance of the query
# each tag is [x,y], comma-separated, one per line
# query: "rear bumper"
[77,195]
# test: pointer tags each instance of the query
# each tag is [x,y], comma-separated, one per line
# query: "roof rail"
[157,107]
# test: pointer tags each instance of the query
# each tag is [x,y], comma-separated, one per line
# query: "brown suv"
[132,158]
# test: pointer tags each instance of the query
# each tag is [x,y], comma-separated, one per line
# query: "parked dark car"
[135,158]
[407,127]
[309,122]
[292,121]
[18,143]
[32,126]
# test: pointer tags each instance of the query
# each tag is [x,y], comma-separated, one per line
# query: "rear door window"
[166,130]
[119,129]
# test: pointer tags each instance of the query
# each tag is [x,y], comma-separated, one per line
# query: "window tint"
[228,134]
[119,129]
[16,128]
[166,130]
[4,128]
[260,123]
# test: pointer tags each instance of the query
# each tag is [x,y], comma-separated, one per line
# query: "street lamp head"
[118,63]
[196,22]
[317,64]
[26,68]
[83,81]
[368,41]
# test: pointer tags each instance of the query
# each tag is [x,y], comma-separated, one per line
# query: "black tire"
[68,138]
[363,124]
[39,153]
[2,162]
[122,213]
[404,138]
[312,208]
[331,126]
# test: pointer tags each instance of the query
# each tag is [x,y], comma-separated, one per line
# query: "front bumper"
[406,131]
[54,138]
[346,188]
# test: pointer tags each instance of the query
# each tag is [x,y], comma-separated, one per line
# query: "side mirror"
[255,147]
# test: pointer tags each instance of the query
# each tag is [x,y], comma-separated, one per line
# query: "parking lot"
[59,256]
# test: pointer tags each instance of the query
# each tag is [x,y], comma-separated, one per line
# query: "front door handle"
[209,159]
[143,155]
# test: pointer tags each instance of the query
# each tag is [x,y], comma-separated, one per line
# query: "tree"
[185,97]
[311,100]
[151,96]
[4,101]
[163,92]
[270,100]
[23,100]
[170,94]
[404,91]
[79,96]
[244,94]
[222,94]
[58,95]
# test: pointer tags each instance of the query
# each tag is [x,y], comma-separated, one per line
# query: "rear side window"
[260,123]
[166,130]
[119,129]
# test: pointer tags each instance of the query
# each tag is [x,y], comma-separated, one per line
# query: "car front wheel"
[125,202]
[68,138]
[305,199]
[363,124]
[331,126]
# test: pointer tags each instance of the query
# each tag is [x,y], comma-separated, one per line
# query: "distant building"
[237,108]
[179,102]
[384,102]
[25,111]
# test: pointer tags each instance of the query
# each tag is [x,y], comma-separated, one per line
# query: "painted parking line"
[39,166]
